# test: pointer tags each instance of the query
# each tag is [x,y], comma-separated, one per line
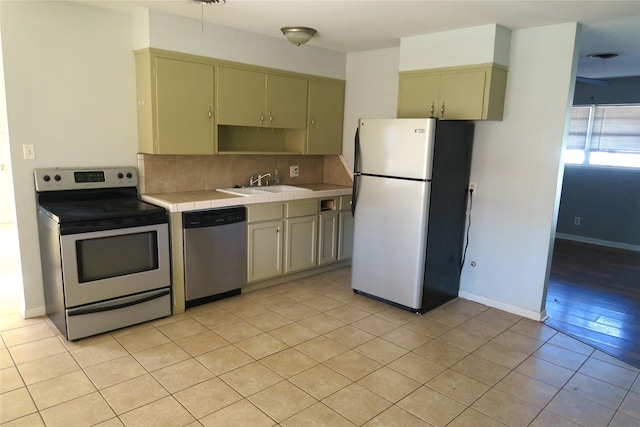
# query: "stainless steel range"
[105,253]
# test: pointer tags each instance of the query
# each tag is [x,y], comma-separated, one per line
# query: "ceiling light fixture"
[298,35]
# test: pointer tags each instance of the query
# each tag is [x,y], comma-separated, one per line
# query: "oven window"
[114,256]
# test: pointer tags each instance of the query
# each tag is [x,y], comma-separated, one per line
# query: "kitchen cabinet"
[188,104]
[253,98]
[301,234]
[328,238]
[301,226]
[292,236]
[456,93]
[345,229]
[264,241]
[326,117]
[175,101]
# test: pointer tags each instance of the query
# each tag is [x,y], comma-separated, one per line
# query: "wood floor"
[594,295]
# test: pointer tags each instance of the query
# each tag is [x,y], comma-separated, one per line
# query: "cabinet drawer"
[301,208]
[264,212]
[345,203]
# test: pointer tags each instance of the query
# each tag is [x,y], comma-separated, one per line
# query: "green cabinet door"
[418,96]
[264,250]
[241,97]
[328,238]
[326,117]
[300,246]
[286,106]
[345,235]
[462,95]
[184,97]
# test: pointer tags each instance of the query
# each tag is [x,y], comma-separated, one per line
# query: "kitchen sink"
[243,191]
[265,189]
[283,189]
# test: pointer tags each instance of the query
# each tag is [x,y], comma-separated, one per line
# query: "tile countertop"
[196,200]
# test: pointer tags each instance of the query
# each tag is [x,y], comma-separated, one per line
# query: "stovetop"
[95,210]
[90,194]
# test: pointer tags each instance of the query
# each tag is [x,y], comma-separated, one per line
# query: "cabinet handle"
[270,119]
[313,121]
[261,117]
[210,114]
[442,110]
[278,230]
[433,108]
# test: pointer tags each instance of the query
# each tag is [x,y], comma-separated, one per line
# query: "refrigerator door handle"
[354,194]
[356,172]
[356,154]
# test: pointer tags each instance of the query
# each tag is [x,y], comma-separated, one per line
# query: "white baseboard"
[607,243]
[513,309]
[33,312]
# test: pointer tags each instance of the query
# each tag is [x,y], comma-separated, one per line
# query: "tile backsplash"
[178,173]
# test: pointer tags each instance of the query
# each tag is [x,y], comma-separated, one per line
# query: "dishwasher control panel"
[214,217]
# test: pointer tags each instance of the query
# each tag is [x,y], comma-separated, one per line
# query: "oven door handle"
[115,305]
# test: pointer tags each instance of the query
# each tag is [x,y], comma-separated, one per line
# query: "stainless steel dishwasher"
[215,254]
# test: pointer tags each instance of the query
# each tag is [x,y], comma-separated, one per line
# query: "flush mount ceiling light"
[298,35]
[604,56]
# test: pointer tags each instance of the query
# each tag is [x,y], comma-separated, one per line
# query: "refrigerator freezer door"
[390,239]
[396,147]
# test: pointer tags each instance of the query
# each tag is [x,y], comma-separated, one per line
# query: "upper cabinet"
[175,100]
[252,98]
[457,93]
[190,104]
[326,116]
[286,102]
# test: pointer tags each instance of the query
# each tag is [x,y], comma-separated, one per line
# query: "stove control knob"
[120,175]
[46,178]
[57,177]
[129,175]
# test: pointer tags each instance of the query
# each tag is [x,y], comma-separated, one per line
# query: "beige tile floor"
[311,353]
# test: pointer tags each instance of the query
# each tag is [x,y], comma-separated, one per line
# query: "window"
[606,135]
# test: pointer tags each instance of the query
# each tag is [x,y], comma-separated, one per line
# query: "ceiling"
[359,25]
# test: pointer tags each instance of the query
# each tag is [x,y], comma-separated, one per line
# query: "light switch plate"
[28,152]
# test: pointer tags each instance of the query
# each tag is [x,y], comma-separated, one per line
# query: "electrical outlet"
[576,220]
[28,152]
[294,171]
[473,187]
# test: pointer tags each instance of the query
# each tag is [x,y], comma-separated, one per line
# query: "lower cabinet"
[264,250]
[328,238]
[345,235]
[301,244]
[301,219]
[264,241]
[297,235]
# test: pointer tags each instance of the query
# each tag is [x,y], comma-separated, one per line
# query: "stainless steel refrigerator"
[410,195]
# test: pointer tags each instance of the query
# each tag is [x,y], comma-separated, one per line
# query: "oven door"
[102,265]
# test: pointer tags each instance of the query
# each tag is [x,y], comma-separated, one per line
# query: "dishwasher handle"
[214,217]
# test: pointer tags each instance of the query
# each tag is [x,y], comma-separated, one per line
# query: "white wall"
[475,45]
[186,35]
[70,88]
[517,165]
[516,162]
[371,92]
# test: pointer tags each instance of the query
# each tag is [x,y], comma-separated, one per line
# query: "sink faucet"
[256,179]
